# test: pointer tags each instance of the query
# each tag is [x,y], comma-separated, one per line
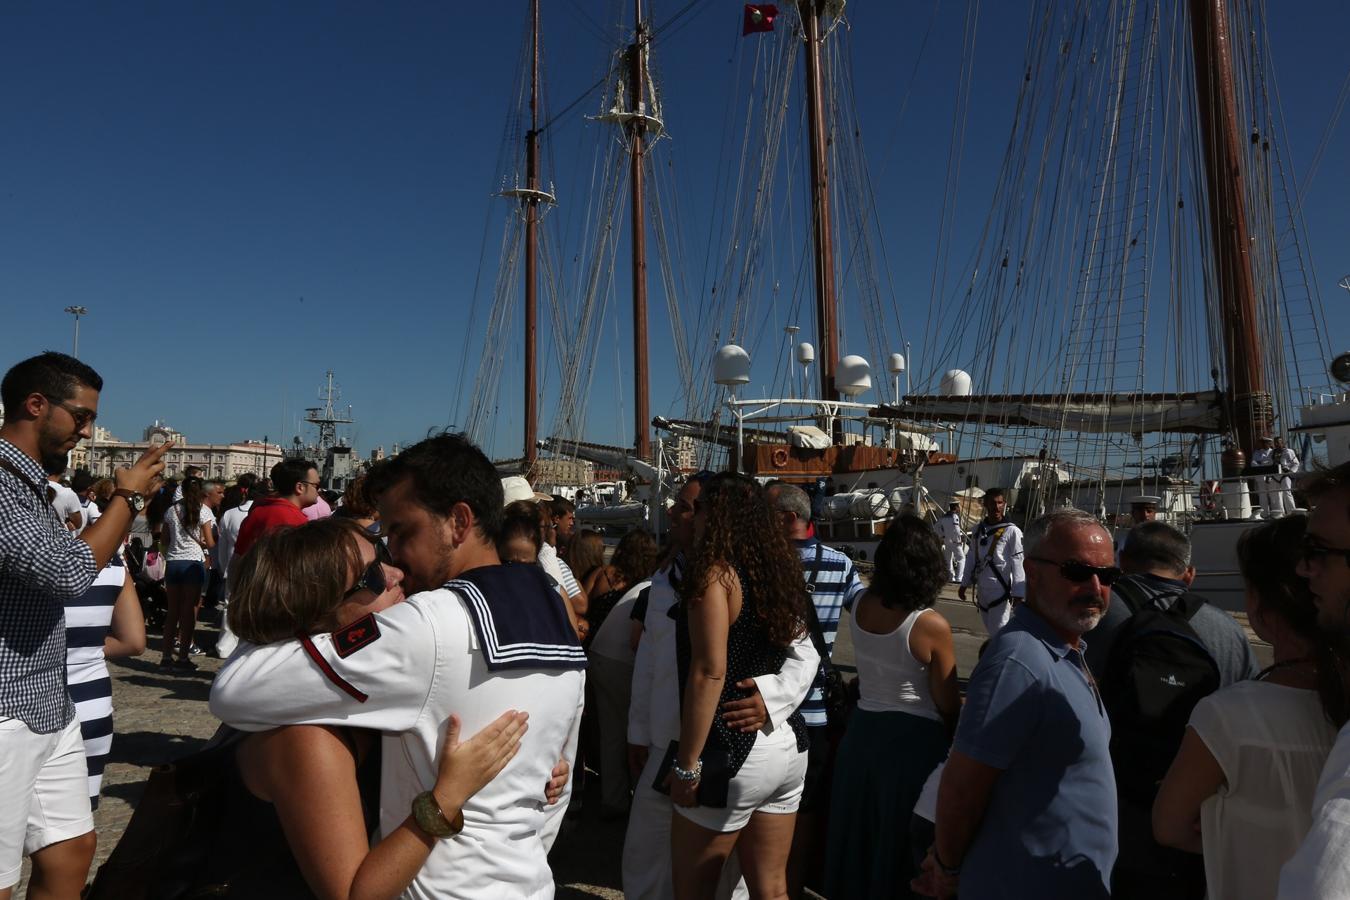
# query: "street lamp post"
[77,311]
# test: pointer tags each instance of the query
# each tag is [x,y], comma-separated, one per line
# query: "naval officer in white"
[478,639]
[994,564]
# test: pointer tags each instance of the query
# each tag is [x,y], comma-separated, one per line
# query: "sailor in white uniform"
[1143,508]
[994,564]
[478,639]
[1277,488]
[654,720]
[953,535]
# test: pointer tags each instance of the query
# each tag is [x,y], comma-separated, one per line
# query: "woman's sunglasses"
[1079,572]
[372,579]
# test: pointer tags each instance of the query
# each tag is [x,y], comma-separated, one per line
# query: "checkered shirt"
[837,585]
[42,567]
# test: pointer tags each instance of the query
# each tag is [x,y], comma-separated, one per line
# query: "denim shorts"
[185,571]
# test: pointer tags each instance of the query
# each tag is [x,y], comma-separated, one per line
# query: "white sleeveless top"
[890,679]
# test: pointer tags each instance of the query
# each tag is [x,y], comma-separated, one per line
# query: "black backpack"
[1157,671]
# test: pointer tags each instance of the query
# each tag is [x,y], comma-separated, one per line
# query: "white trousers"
[994,619]
[646,844]
[955,556]
[1277,496]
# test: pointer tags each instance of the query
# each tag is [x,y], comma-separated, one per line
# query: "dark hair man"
[1156,560]
[994,564]
[296,482]
[1027,802]
[477,639]
[1318,871]
[50,403]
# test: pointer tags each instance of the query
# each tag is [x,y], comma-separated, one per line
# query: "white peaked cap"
[515,487]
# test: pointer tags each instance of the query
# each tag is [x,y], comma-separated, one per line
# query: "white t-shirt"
[1318,870]
[90,512]
[230,522]
[66,503]
[1271,742]
[613,639]
[423,664]
[180,542]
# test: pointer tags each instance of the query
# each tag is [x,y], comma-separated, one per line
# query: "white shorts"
[770,781]
[44,792]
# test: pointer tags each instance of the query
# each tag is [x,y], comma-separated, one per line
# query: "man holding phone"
[50,401]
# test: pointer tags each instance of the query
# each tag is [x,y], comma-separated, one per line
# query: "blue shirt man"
[1027,803]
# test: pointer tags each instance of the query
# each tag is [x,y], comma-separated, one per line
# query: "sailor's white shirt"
[424,665]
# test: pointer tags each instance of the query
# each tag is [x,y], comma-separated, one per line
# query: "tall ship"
[1137,313]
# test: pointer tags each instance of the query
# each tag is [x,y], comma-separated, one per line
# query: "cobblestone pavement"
[161,716]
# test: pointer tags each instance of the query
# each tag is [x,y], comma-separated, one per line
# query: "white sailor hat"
[515,487]
[1145,500]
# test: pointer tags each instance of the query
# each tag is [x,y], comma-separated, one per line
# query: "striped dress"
[88,620]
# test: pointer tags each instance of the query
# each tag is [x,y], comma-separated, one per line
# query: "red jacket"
[266,514]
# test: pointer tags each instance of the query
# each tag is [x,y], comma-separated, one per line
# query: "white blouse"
[1271,742]
[890,679]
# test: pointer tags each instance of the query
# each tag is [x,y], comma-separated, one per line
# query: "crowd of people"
[422,671]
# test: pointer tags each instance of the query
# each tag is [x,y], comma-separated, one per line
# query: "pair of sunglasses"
[372,579]
[1311,551]
[1079,572]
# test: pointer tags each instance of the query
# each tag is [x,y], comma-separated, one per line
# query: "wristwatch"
[427,813]
[949,871]
[134,500]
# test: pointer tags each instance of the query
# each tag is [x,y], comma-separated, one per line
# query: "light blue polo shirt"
[1032,711]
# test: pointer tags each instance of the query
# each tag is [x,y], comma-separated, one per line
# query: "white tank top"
[890,679]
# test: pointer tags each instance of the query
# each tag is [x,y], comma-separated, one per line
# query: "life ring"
[779,457]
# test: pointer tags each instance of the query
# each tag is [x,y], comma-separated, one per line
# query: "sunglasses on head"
[1079,572]
[372,579]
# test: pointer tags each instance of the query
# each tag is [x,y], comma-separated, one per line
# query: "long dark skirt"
[883,761]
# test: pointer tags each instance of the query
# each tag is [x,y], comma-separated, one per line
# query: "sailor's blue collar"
[1036,625]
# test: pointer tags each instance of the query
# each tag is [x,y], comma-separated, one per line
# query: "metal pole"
[531,251]
[77,311]
[642,445]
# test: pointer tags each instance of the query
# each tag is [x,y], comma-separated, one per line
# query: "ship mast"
[811,12]
[1218,114]
[637,70]
[531,202]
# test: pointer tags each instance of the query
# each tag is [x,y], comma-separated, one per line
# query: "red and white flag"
[758,17]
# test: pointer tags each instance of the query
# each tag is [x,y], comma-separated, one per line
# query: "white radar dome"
[853,377]
[896,364]
[806,354]
[955,383]
[731,366]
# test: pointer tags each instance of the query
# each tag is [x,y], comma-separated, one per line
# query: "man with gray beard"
[1027,802]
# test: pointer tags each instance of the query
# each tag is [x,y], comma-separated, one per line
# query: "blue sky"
[246,194]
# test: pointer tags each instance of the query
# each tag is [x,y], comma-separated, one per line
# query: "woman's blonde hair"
[292,580]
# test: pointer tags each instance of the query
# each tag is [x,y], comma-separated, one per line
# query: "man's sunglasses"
[83,417]
[372,579]
[1079,572]
[1311,551]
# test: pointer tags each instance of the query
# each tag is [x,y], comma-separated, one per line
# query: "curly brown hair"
[742,534]
[635,557]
